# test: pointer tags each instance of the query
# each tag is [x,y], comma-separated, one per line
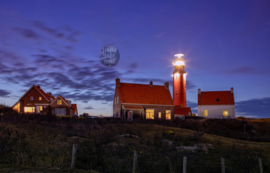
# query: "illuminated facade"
[216,104]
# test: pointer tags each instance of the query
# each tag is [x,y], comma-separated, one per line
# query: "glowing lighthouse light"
[179,60]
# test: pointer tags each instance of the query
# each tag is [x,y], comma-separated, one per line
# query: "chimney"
[151,84]
[38,86]
[232,90]
[117,82]
[166,84]
[199,91]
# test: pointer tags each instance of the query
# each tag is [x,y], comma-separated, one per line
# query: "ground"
[44,145]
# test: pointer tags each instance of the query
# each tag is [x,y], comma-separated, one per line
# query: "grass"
[45,145]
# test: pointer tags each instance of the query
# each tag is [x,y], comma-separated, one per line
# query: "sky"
[56,44]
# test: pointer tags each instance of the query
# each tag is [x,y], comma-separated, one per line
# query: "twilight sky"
[56,44]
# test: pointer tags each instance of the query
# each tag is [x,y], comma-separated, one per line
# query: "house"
[74,106]
[142,101]
[181,113]
[216,104]
[36,101]
[62,107]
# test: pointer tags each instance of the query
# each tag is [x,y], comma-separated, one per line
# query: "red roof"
[178,110]
[216,98]
[144,94]
[132,107]
[74,106]
[42,92]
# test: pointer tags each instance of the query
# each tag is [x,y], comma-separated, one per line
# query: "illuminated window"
[205,113]
[168,114]
[40,98]
[218,100]
[41,108]
[159,115]
[31,98]
[150,114]
[29,109]
[225,113]
[59,102]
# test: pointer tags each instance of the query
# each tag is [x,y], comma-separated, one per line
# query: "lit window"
[205,113]
[218,100]
[29,109]
[225,113]
[150,114]
[159,115]
[40,98]
[168,114]
[59,102]
[31,98]
[41,108]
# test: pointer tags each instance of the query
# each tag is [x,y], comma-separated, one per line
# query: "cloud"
[67,34]
[89,107]
[4,93]
[194,106]
[254,107]
[242,70]
[27,33]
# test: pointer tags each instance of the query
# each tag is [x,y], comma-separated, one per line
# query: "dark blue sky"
[56,44]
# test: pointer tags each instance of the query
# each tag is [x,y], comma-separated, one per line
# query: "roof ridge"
[140,84]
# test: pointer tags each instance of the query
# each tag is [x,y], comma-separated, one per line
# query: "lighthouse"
[179,82]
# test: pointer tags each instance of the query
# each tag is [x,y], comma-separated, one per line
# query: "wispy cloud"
[4,93]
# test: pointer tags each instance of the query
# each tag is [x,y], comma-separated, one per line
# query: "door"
[130,115]
[37,109]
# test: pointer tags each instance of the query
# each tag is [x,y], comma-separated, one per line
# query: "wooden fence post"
[134,162]
[260,165]
[74,153]
[222,165]
[185,164]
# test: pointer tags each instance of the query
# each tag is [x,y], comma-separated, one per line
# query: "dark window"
[176,92]
[217,99]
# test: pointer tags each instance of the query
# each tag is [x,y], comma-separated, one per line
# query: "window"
[217,99]
[31,98]
[40,98]
[168,114]
[60,111]
[176,92]
[205,113]
[117,99]
[59,102]
[29,109]
[44,107]
[225,113]
[41,108]
[150,114]
[159,115]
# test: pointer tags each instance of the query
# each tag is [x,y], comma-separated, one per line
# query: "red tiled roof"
[132,107]
[42,92]
[178,110]
[74,106]
[144,94]
[210,98]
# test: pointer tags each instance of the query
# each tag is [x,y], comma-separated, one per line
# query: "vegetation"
[44,143]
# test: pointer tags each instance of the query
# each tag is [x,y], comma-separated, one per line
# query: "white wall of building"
[216,111]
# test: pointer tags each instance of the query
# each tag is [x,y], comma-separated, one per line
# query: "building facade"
[216,104]
[36,101]
[141,101]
